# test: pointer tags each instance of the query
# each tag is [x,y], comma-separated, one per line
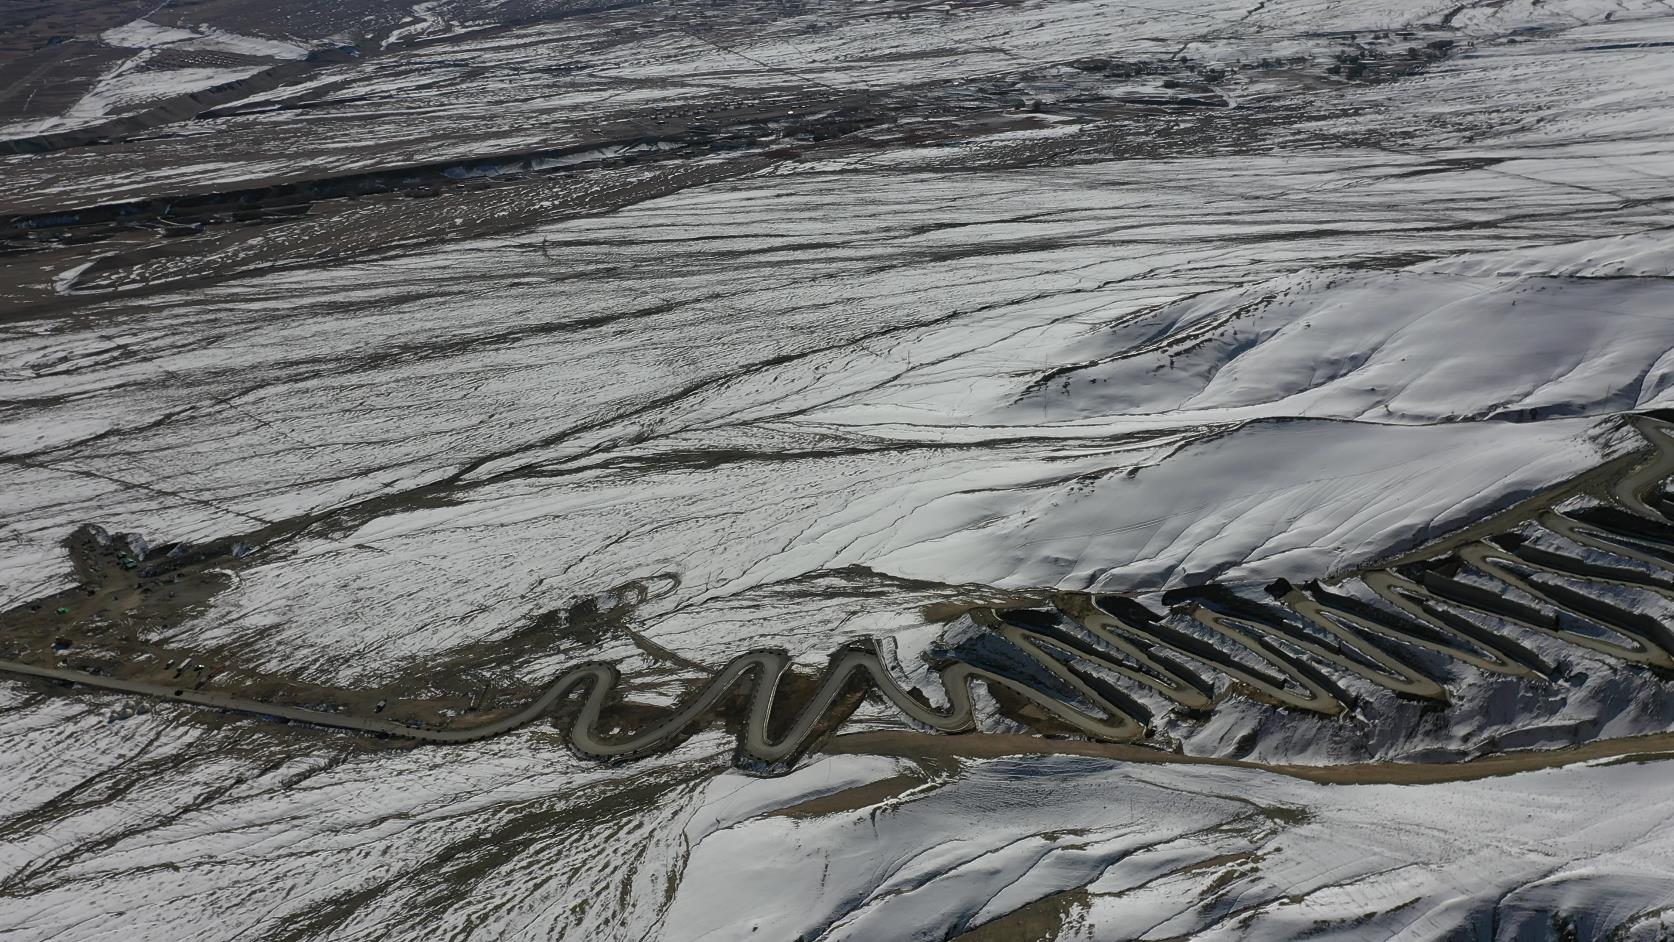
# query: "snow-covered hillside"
[436,351]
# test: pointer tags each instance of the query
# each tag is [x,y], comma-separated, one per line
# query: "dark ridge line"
[840,119]
[368,183]
[180,107]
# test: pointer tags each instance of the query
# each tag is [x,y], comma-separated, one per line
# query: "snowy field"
[486,340]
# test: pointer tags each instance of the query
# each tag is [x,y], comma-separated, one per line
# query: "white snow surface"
[1198,852]
[135,82]
[513,840]
[144,34]
[809,400]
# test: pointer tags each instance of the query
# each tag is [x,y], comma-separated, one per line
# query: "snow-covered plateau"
[1213,454]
